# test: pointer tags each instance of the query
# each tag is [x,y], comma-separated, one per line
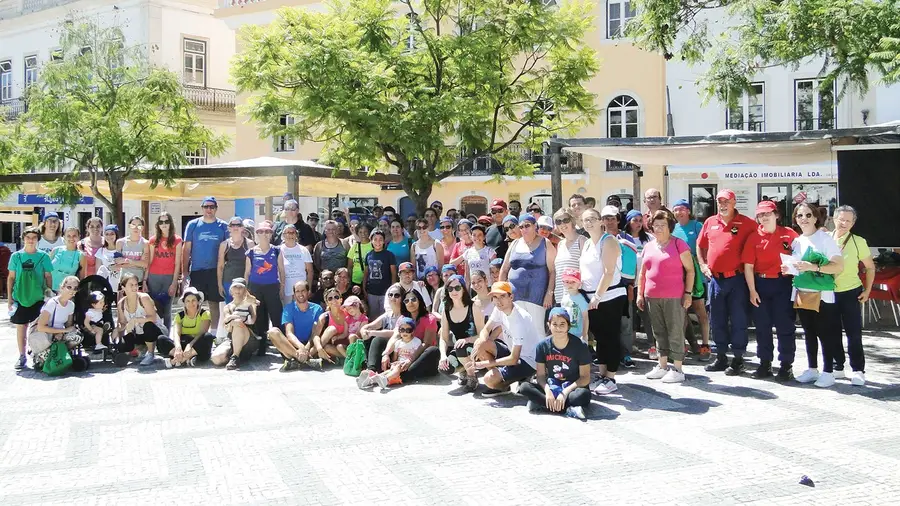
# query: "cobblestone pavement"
[257,436]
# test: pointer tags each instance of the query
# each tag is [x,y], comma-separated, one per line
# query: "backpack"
[629,257]
[58,361]
[29,287]
[356,358]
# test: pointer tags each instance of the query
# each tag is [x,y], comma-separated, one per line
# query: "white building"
[181,35]
[782,100]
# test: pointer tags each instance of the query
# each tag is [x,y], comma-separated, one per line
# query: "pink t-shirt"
[427,322]
[663,271]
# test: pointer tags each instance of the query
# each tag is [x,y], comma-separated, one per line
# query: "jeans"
[157,284]
[729,298]
[605,325]
[823,327]
[850,316]
[775,309]
[579,397]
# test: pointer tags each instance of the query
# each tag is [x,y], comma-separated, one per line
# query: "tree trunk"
[115,197]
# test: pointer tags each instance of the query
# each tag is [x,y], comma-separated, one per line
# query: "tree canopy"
[408,86]
[99,107]
[855,39]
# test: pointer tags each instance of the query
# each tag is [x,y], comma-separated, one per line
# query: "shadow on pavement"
[706,384]
[686,405]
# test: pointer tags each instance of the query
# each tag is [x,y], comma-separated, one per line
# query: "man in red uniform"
[719,249]
[770,291]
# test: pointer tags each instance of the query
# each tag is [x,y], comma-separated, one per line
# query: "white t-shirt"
[518,330]
[480,260]
[47,246]
[295,260]
[59,314]
[591,265]
[821,242]
[405,351]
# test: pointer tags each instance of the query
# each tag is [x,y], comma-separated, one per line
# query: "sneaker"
[365,380]
[490,392]
[763,371]
[396,380]
[192,362]
[719,365]
[99,347]
[839,374]
[233,363]
[673,376]
[148,359]
[785,373]
[472,383]
[858,378]
[286,366]
[808,376]
[169,363]
[736,367]
[628,362]
[705,353]
[656,373]
[825,380]
[381,380]
[606,386]
[316,363]
[654,355]
[576,412]
[20,362]
[534,407]
[463,378]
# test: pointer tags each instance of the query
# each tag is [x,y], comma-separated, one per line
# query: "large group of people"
[516,297]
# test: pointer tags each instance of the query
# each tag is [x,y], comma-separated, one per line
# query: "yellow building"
[630,90]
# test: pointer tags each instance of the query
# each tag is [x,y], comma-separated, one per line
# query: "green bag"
[699,290]
[58,361]
[29,287]
[356,358]
[810,280]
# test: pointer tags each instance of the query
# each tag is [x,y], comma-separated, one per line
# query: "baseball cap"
[288,196]
[209,200]
[236,220]
[501,287]
[512,219]
[527,217]
[725,194]
[406,266]
[192,291]
[312,216]
[448,267]
[634,213]
[545,222]
[499,203]
[609,211]
[51,214]
[766,206]
[352,300]
[238,282]
[437,203]
[497,262]
[447,220]
[406,320]
[485,220]
[681,203]
[248,223]
[464,221]
[384,219]
[561,312]
[571,274]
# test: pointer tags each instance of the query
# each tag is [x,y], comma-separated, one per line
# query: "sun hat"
[193,291]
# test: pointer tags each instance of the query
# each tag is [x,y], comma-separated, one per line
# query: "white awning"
[716,153]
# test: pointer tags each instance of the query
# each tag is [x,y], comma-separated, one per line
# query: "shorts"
[207,281]
[247,351]
[502,349]
[25,315]
[519,372]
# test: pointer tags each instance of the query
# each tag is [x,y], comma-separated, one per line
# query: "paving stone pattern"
[257,436]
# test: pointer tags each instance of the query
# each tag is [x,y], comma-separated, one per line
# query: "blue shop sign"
[43,200]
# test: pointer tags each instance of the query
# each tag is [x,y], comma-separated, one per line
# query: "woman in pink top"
[91,245]
[664,290]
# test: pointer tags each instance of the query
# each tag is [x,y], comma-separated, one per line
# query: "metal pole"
[293,184]
[556,177]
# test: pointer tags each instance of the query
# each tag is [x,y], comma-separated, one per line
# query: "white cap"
[545,221]
[609,211]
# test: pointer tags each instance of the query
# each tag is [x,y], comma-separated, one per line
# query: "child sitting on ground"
[355,319]
[575,302]
[93,319]
[401,354]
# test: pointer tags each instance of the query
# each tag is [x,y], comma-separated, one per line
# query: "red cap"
[485,220]
[725,194]
[498,203]
[766,206]
[571,274]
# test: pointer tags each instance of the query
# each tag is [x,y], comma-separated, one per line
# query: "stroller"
[82,304]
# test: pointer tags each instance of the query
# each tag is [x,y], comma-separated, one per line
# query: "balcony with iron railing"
[488,165]
[11,109]
[747,126]
[211,99]
[815,123]
[14,8]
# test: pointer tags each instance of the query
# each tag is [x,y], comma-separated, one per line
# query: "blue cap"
[209,200]
[437,203]
[634,213]
[429,270]
[464,221]
[114,228]
[385,219]
[460,278]
[448,267]
[681,202]
[558,311]
[510,218]
[527,217]
[497,261]
[51,214]
[447,220]
[406,320]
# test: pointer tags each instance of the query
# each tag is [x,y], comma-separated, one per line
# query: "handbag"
[356,358]
[59,360]
[808,300]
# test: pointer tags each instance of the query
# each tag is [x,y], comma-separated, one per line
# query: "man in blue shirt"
[300,321]
[202,238]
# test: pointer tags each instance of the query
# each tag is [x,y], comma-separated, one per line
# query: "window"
[813,106]
[703,200]
[285,143]
[749,113]
[622,122]
[31,69]
[56,55]
[196,157]
[6,80]
[194,62]
[618,12]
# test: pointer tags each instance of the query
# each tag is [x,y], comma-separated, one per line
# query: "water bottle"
[12,310]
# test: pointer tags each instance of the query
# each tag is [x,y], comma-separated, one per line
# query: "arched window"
[473,204]
[621,122]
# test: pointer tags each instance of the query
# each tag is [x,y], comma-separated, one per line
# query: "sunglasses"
[446,227]
[209,207]
[805,215]
[509,228]
[563,221]
[394,295]
[525,225]
[422,228]
[496,211]
[334,297]
[455,288]
[237,225]
[407,301]
[405,330]
[135,226]
[165,222]
[589,220]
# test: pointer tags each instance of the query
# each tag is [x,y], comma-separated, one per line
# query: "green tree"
[856,39]
[408,86]
[100,108]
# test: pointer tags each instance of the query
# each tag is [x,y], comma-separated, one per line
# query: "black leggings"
[203,346]
[151,334]
[579,397]
[824,326]
[269,297]
[425,366]
[606,326]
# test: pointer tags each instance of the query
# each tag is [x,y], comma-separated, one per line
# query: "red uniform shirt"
[763,250]
[724,242]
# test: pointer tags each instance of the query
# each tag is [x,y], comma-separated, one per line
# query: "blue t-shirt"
[205,239]
[263,267]
[400,251]
[379,277]
[303,321]
[689,234]
[577,307]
